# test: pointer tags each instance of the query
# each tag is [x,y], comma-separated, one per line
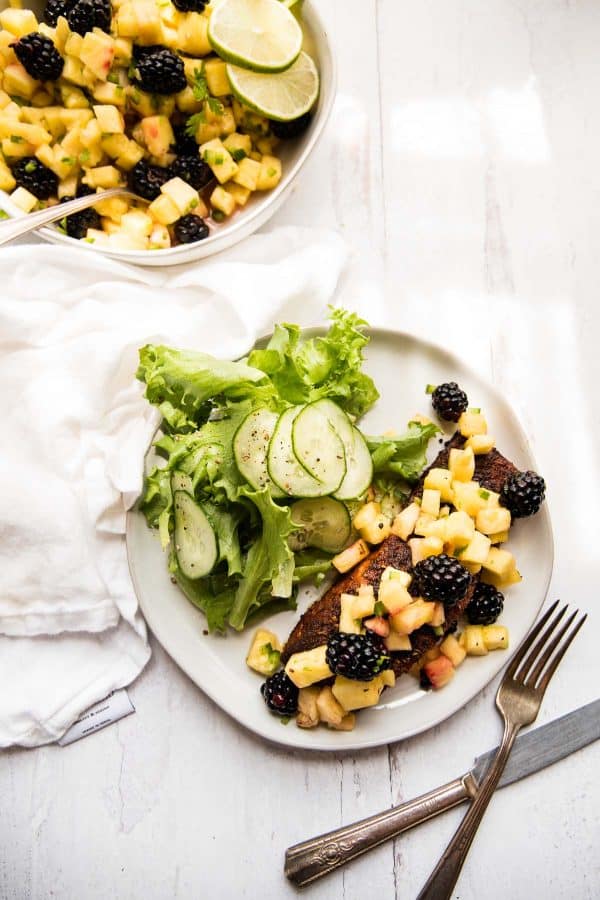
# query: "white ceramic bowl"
[261,206]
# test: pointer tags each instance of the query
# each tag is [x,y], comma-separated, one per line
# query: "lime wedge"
[261,35]
[283,96]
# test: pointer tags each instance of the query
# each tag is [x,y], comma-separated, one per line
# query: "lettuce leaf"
[330,366]
[403,456]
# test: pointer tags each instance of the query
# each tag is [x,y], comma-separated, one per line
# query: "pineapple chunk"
[469,497]
[123,51]
[192,35]
[473,568]
[481,443]
[238,142]
[364,602]
[495,637]
[186,101]
[348,723]
[352,694]
[7,180]
[73,44]
[97,53]
[462,464]
[440,480]
[23,199]
[240,194]
[396,642]
[349,557]
[18,21]
[500,538]
[163,210]
[477,550]
[114,145]
[73,71]
[430,502]
[73,97]
[512,577]
[110,119]
[329,709]
[474,642]
[452,650]
[499,562]
[460,529]
[17,81]
[158,134]
[308,714]
[265,649]
[217,156]
[215,71]
[366,515]
[33,134]
[270,173]
[223,201]
[184,197]
[436,528]
[349,623]
[103,177]
[394,595]
[419,612]
[115,208]
[247,174]
[377,531]
[421,548]
[439,615]
[472,423]
[137,224]
[423,524]
[404,523]
[308,667]
[397,575]
[159,238]
[15,148]
[122,241]
[492,521]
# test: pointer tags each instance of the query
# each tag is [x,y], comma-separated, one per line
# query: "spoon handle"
[20,225]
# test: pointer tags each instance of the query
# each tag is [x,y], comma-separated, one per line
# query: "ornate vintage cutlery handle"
[311,859]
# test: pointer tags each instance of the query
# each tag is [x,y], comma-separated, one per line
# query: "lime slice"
[283,96]
[261,35]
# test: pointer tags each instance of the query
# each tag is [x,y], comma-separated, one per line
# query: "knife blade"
[543,746]
[533,751]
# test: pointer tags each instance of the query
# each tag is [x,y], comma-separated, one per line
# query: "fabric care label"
[116,706]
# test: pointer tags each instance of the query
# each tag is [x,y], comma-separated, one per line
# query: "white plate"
[402,366]
[262,205]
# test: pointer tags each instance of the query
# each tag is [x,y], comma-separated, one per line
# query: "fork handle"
[441,882]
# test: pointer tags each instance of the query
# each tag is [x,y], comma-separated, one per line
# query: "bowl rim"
[246,224]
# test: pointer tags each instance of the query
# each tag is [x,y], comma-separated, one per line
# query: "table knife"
[532,752]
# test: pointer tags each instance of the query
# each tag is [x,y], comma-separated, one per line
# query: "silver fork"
[519,699]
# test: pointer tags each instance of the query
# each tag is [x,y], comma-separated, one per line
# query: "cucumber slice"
[250,447]
[323,523]
[282,464]
[359,465]
[181,482]
[195,541]
[318,447]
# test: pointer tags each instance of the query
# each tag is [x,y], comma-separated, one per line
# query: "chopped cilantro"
[271,172]
[199,85]
[84,156]
[192,124]
[62,225]
[238,154]
[135,96]
[132,73]
[89,240]
[273,656]
[430,389]
[113,77]
[485,495]
[30,167]
[285,720]
[192,204]
[215,106]
[459,551]
[218,160]
[68,160]
[380,608]
[16,138]
[475,409]
[218,215]
[3,215]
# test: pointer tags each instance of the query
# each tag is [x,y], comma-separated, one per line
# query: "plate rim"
[363,744]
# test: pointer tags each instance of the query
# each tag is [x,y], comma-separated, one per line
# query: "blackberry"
[77,224]
[85,15]
[190,228]
[54,9]
[159,70]
[147,180]
[292,129]
[193,170]
[38,55]
[35,177]
[449,401]
[191,5]
[441,578]
[357,656]
[185,144]
[280,694]
[523,493]
[486,605]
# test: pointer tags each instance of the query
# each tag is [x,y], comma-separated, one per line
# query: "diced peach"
[379,625]
[439,671]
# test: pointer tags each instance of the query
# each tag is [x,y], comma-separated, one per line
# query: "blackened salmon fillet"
[321,619]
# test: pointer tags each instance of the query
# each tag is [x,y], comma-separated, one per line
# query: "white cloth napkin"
[74,429]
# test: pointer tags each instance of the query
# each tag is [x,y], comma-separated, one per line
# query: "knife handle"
[314,858]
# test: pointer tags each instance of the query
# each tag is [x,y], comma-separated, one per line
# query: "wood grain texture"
[461,164]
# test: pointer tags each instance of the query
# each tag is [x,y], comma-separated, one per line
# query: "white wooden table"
[462,164]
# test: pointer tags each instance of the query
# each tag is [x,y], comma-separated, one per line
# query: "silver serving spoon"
[20,225]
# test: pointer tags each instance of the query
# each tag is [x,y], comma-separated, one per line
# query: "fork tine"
[528,641]
[535,674]
[541,687]
[539,645]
